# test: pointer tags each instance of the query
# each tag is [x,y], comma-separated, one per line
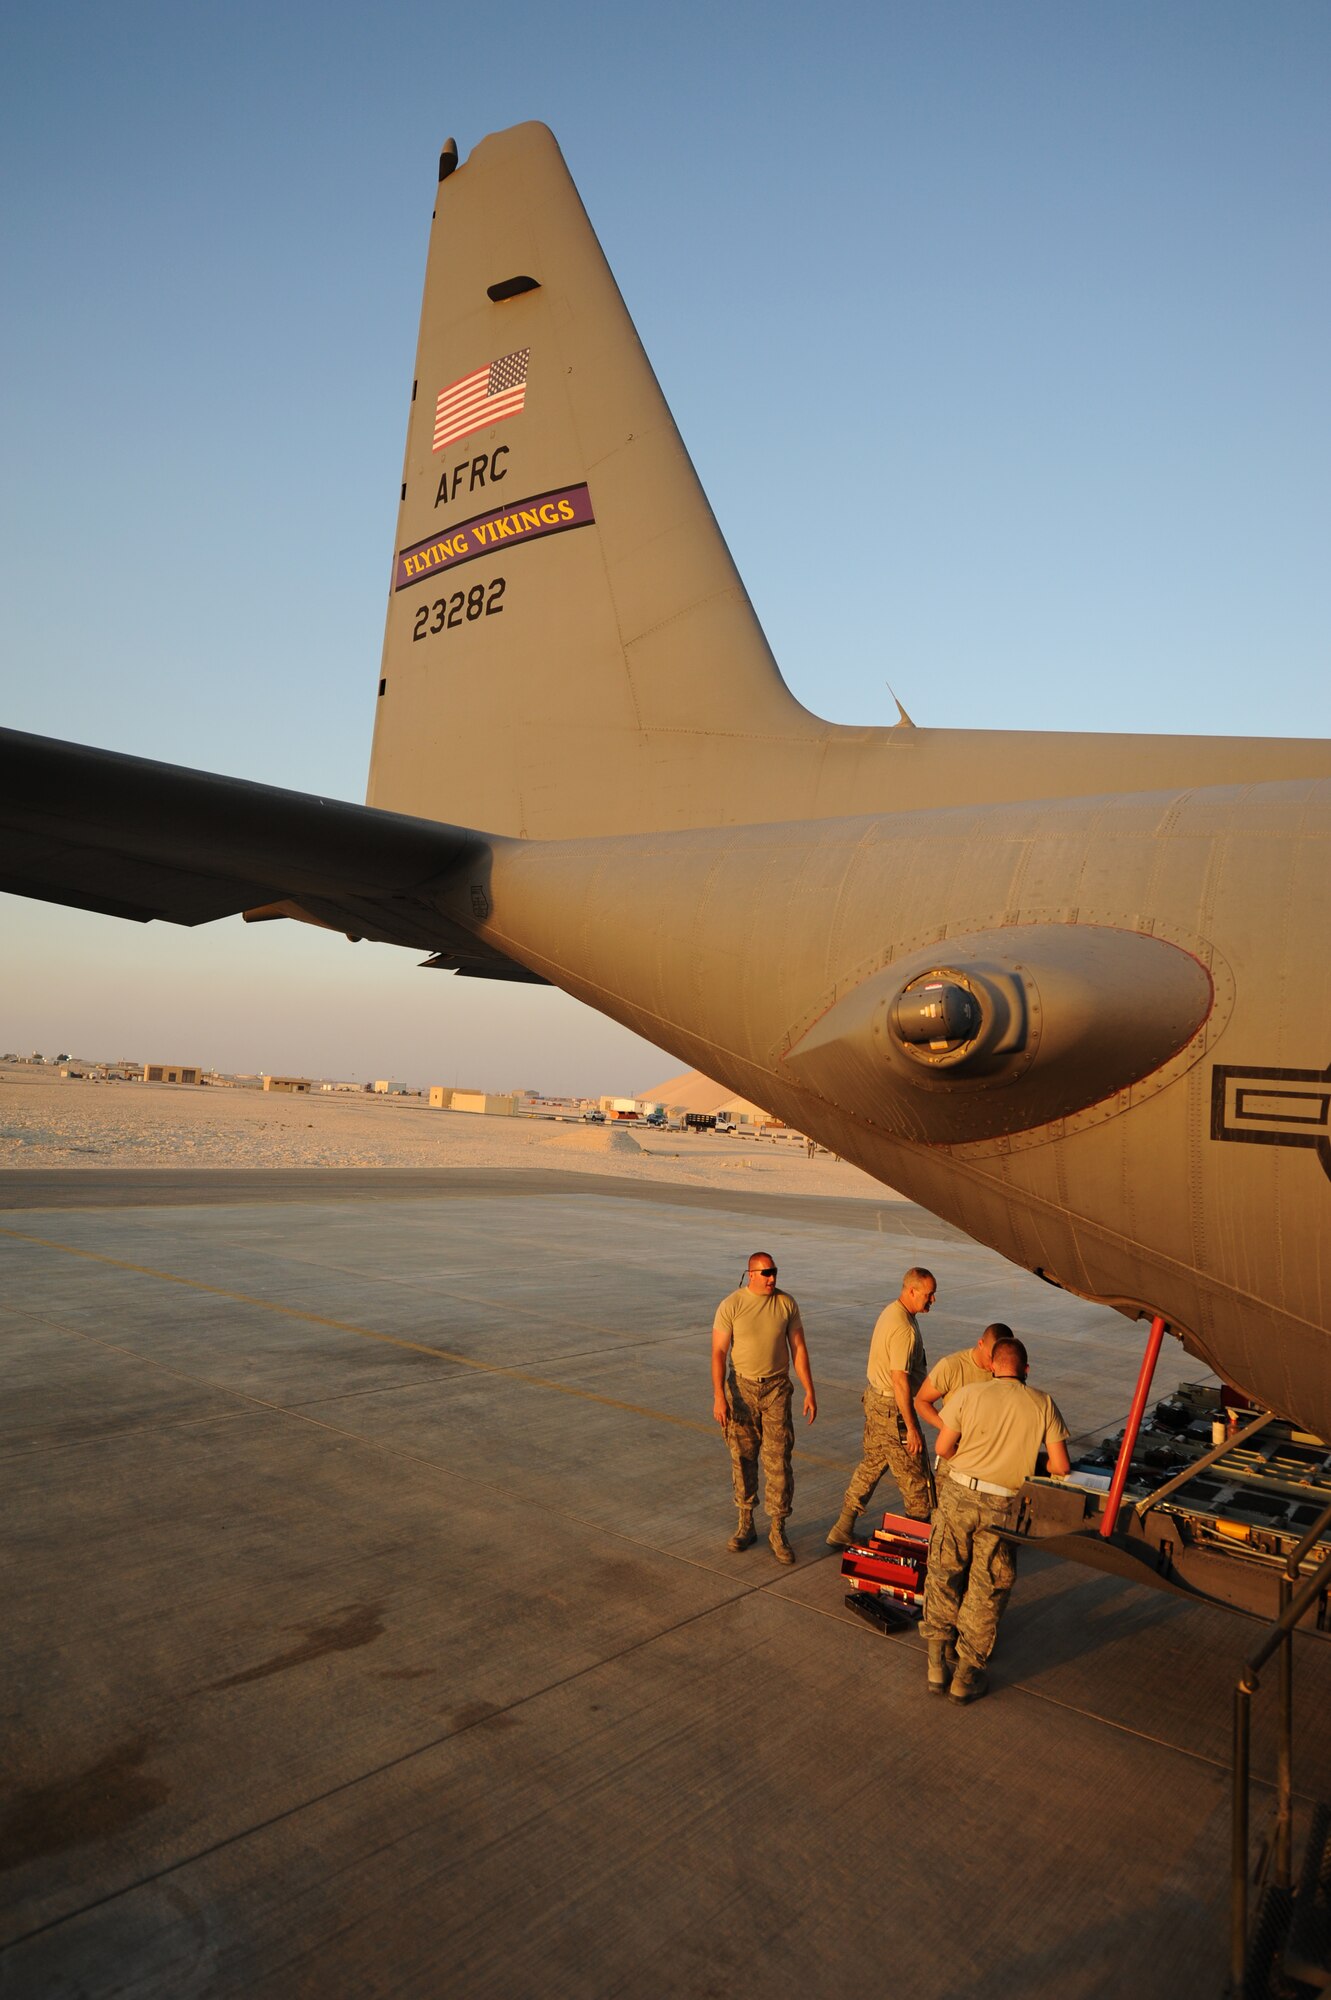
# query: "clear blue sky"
[1048,284]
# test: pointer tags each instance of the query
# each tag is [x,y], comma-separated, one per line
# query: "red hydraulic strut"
[1134,1424]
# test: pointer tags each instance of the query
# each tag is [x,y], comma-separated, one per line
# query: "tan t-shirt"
[956,1371]
[759,1330]
[1003,1424]
[896,1344]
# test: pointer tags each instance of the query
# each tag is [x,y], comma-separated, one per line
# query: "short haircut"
[758,1257]
[917,1275]
[1010,1346]
[995,1332]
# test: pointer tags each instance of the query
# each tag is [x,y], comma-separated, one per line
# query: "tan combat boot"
[778,1544]
[968,1683]
[941,1669]
[743,1536]
[842,1533]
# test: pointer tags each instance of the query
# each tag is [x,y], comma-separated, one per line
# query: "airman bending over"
[956,1371]
[759,1330]
[992,1434]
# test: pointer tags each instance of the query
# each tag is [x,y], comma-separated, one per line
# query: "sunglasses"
[763,1271]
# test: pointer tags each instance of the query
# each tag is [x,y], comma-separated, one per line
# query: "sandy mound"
[595,1139]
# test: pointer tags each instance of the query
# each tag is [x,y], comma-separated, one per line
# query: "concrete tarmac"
[370,1628]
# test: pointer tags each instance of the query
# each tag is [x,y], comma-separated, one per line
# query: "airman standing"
[759,1331]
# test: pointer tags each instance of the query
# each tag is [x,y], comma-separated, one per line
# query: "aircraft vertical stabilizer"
[562,599]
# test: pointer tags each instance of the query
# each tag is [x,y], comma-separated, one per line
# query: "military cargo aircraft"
[1067,991]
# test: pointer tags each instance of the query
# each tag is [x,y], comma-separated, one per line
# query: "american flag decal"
[484,397]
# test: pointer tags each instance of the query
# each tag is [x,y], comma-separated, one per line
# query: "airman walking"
[898,1366]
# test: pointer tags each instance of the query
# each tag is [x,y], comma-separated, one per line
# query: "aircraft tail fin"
[565,620]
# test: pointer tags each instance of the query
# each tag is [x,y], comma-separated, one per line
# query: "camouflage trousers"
[971,1570]
[884,1450]
[759,1426]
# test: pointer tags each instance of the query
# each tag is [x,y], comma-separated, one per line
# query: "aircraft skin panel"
[620,644]
[728,949]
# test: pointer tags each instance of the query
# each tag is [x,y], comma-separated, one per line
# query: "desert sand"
[50,1121]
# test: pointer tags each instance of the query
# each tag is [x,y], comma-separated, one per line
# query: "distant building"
[294,1084]
[495,1104]
[170,1073]
[385,1087]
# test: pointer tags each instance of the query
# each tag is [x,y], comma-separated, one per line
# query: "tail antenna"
[906,721]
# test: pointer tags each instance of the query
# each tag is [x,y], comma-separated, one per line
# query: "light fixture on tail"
[1004,1031]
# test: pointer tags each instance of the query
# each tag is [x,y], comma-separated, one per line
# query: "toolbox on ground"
[892,1562]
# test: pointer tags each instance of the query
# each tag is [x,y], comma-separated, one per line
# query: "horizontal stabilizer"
[129,837]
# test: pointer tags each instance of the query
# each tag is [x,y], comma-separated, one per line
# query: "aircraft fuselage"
[1168,1177]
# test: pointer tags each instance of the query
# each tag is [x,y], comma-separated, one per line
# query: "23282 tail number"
[464,606]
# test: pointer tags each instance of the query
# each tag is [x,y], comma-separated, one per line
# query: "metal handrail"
[1293,1564]
[1285,1743]
[1293,1605]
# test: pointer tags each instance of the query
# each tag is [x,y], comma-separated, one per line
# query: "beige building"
[170,1073]
[496,1105]
[294,1084]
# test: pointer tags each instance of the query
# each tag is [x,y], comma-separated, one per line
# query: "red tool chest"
[892,1562]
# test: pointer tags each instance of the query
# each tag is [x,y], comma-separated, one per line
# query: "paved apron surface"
[370,1628]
